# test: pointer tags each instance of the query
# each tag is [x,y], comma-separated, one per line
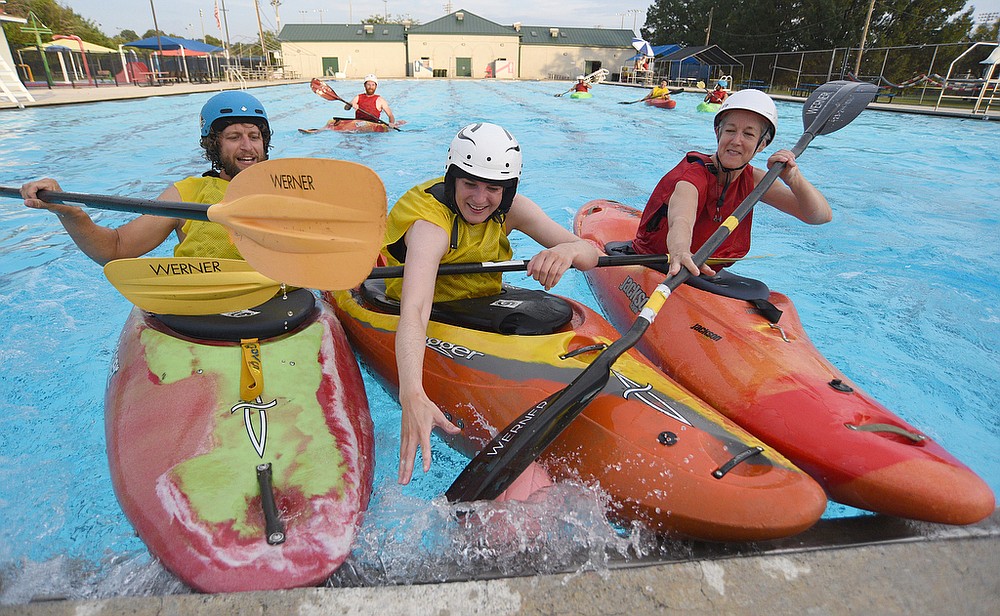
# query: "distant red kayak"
[349,125]
[773,382]
[661,103]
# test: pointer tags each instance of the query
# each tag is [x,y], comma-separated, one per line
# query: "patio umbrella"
[643,47]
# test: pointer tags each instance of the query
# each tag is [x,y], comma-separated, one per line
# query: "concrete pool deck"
[871,565]
[867,565]
[68,96]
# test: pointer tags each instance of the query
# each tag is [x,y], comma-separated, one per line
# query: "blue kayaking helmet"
[232,105]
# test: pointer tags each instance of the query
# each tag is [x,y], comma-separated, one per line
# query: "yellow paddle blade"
[308,222]
[190,285]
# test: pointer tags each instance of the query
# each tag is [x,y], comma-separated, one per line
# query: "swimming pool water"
[899,291]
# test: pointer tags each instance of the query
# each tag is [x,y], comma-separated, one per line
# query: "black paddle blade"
[511,451]
[852,97]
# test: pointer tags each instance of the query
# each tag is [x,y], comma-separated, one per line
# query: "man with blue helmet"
[235,135]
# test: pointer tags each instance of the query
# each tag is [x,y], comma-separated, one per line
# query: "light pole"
[277,17]
[320,11]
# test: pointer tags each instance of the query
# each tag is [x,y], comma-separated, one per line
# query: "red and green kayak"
[241,445]
[664,457]
[769,378]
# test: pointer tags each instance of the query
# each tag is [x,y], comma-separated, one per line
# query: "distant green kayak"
[581,95]
[709,107]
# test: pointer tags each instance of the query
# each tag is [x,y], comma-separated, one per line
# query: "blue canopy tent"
[696,62]
[173,43]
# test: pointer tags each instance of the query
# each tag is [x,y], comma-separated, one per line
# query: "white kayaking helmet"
[755,101]
[487,153]
[372,78]
[580,78]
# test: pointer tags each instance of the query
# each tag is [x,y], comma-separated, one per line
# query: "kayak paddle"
[194,285]
[831,107]
[486,267]
[325,91]
[672,92]
[308,222]
[190,285]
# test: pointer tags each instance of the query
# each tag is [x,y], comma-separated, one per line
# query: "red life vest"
[699,170]
[367,103]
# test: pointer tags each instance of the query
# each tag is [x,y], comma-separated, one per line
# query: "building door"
[591,66]
[331,66]
[463,67]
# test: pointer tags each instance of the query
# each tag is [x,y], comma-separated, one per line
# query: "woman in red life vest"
[691,201]
[581,85]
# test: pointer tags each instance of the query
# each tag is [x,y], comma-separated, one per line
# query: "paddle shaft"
[172,209]
[453,269]
[510,452]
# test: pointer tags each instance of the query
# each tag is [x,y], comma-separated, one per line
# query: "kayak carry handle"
[274,529]
[744,455]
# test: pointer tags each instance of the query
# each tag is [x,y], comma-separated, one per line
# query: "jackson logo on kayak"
[452,350]
[248,407]
[633,291]
[646,395]
[286,181]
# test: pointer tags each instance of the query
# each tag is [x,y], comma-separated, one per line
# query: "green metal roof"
[337,33]
[576,37]
[469,24]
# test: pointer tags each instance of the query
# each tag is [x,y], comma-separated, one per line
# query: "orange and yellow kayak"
[772,381]
[664,457]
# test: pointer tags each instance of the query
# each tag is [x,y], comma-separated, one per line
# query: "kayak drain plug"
[274,529]
[667,438]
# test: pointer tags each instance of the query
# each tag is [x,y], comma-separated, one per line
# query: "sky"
[194,18]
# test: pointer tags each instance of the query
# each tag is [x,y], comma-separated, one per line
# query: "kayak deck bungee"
[242,466]
[663,456]
[771,380]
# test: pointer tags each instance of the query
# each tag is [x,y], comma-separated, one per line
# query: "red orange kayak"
[774,383]
[350,125]
[661,103]
[230,494]
[664,457]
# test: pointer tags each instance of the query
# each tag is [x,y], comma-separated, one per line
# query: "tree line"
[763,26]
[738,26]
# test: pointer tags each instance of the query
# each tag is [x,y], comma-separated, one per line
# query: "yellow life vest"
[201,238]
[486,241]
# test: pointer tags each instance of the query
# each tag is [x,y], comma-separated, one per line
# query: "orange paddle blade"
[307,222]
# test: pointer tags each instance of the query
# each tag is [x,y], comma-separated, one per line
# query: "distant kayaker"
[581,85]
[235,134]
[463,217]
[719,94]
[370,106]
[660,92]
[691,201]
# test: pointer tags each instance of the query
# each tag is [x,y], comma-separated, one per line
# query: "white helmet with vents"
[486,152]
[755,101]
